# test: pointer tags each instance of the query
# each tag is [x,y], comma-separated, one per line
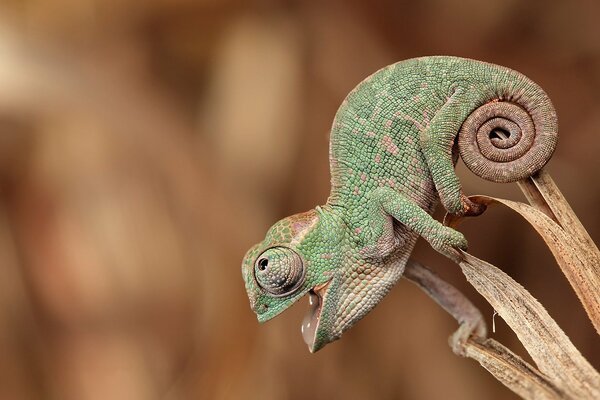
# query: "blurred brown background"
[144,146]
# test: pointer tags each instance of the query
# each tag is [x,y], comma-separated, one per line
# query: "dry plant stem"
[511,370]
[450,299]
[550,348]
[581,265]
[507,367]
[559,361]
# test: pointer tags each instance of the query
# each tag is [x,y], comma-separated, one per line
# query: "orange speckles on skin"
[388,123]
[363,177]
[389,145]
[377,159]
[407,117]
[326,256]
[357,231]
[392,183]
[371,134]
[356,190]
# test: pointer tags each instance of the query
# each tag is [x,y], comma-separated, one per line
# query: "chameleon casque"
[393,146]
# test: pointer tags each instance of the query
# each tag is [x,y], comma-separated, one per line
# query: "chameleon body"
[392,156]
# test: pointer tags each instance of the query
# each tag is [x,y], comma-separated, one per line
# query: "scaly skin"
[392,158]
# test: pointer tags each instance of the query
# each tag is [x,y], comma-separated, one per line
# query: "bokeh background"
[145,145]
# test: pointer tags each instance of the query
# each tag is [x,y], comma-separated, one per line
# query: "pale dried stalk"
[507,367]
[564,371]
[574,250]
[511,370]
[555,355]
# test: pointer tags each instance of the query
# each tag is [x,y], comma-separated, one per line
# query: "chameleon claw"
[448,242]
[472,209]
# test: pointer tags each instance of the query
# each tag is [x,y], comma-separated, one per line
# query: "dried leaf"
[550,348]
[579,259]
[581,262]
[577,256]
[511,370]
[506,366]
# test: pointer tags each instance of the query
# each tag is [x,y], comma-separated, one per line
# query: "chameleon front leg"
[437,140]
[450,299]
[386,204]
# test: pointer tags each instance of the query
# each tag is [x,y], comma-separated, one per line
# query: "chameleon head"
[308,253]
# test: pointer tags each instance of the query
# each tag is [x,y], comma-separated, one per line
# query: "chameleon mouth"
[312,318]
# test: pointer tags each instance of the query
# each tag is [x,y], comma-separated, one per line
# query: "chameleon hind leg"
[386,204]
[471,323]
[437,141]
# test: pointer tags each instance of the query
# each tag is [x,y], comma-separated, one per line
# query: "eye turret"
[279,271]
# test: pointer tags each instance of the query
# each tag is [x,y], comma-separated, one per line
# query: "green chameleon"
[394,143]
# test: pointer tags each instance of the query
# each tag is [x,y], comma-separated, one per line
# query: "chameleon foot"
[447,240]
[474,327]
[452,300]
[472,209]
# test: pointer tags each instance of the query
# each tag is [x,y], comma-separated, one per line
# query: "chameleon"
[394,144]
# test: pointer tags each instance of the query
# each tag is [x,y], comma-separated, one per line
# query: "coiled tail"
[512,136]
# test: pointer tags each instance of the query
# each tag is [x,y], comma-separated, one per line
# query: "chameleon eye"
[263,263]
[279,271]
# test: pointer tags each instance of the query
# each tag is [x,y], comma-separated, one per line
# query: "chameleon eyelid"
[294,288]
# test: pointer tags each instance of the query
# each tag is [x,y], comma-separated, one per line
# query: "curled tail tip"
[511,136]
